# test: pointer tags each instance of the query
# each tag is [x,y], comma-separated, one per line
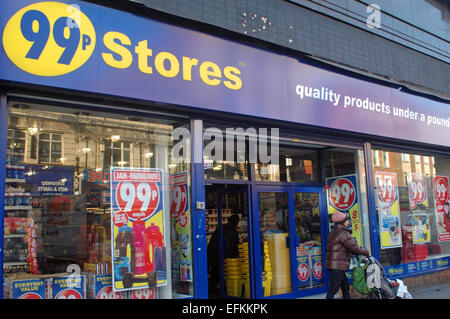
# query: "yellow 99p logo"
[49,38]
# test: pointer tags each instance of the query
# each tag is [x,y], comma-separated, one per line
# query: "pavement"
[432,292]
[439,291]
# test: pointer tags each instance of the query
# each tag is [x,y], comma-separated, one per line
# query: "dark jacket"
[230,244]
[339,246]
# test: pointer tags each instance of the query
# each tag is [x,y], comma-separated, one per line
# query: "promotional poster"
[70,287]
[181,221]
[343,196]
[28,289]
[441,205]
[103,288]
[137,228]
[388,209]
[418,202]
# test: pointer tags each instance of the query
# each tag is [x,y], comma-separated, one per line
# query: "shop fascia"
[233,142]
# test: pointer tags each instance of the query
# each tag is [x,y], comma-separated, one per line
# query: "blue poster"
[50,180]
[103,288]
[28,289]
[70,287]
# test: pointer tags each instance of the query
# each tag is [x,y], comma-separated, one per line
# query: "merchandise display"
[280,263]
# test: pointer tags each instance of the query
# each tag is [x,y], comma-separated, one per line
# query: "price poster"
[441,205]
[103,288]
[343,197]
[388,209]
[145,293]
[417,189]
[418,202]
[181,221]
[70,287]
[137,228]
[28,289]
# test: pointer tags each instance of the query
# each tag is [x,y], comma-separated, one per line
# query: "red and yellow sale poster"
[137,228]
[388,209]
[181,221]
[418,202]
[441,205]
[343,197]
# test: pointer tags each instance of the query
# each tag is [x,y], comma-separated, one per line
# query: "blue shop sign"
[87,47]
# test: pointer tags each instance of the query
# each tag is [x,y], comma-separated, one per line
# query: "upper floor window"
[117,153]
[50,148]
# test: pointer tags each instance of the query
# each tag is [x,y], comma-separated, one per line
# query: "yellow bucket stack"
[267,273]
[245,272]
[280,263]
[232,274]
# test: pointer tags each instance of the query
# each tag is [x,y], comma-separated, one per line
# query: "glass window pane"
[308,230]
[56,137]
[233,211]
[225,158]
[295,164]
[44,151]
[117,157]
[274,221]
[56,147]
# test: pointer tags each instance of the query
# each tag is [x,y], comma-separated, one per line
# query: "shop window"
[412,208]
[61,213]
[296,163]
[50,148]
[348,165]
[225,154]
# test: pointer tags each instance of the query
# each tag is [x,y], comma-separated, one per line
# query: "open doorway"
[227,211]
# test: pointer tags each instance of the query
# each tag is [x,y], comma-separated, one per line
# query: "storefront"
[128,141]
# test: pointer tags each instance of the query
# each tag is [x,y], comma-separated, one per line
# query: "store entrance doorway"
[227,212]
[292,238]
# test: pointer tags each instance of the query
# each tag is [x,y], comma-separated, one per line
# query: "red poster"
[441,203]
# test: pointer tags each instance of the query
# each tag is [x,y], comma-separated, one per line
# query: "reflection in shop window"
[50,148]
[16,145]
[117,153]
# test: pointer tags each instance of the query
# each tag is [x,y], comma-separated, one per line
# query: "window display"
[95,206]
[411,191]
